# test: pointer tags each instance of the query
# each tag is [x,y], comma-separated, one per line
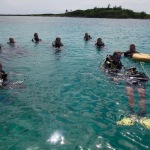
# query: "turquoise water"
[62,100]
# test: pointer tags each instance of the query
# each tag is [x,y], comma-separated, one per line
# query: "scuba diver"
[3,76]
[99,43]
[36,38]
[87,37]
[134,79]
[131,51]
[112,62]
[112,66]
[11,41]
[57,43]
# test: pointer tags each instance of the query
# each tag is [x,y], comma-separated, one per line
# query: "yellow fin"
[127,121]
[145,122]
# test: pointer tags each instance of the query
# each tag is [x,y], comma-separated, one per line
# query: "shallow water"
[61,99]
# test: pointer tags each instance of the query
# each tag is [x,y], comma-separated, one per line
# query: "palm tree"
[108,6]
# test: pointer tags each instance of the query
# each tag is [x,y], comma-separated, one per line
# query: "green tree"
[143,14]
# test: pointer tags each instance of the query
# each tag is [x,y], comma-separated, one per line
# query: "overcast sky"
[59,6]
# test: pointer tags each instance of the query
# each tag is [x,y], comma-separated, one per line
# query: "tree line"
[115,12]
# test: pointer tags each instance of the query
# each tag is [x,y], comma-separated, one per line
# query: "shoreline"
[70,17]
[109,13]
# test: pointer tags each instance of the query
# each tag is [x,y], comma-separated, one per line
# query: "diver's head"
[99,40]
[86,34]
[116,56]
[11,40]
[132,48]
[58,40]
[35,35]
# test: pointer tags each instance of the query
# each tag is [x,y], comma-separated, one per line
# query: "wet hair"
[11,40]
[117,55]
[58,39]
[35,34]
[99,39]
[132,45]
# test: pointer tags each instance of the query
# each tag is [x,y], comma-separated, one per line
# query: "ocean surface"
[62,100]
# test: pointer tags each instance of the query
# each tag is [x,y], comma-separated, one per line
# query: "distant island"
[115,12]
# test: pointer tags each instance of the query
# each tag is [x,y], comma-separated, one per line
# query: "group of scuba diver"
[99,43]
[3,76]
[112,64]
[135,80]
[56,44]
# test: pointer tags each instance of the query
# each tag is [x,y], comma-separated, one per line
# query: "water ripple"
[62,99]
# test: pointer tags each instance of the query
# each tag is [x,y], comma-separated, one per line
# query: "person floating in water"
[57,43]
[113,63]
[11,41]
[3,75]
[87,37]
[99,43]
[131,51]
[36,38]
[136,81]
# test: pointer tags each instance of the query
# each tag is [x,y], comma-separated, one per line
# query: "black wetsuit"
[56,45]
[112,65]
[36,40]
[129,53]
[3,75]
[87,38]
[100,44]
[136,79]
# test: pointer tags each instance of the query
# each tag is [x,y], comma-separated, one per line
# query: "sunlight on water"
[55,138]
[35,148]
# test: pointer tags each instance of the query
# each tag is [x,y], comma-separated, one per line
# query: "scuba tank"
[1,82]
[132,73]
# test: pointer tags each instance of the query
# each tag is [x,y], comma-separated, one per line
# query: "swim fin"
[127,121]
[145,122]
